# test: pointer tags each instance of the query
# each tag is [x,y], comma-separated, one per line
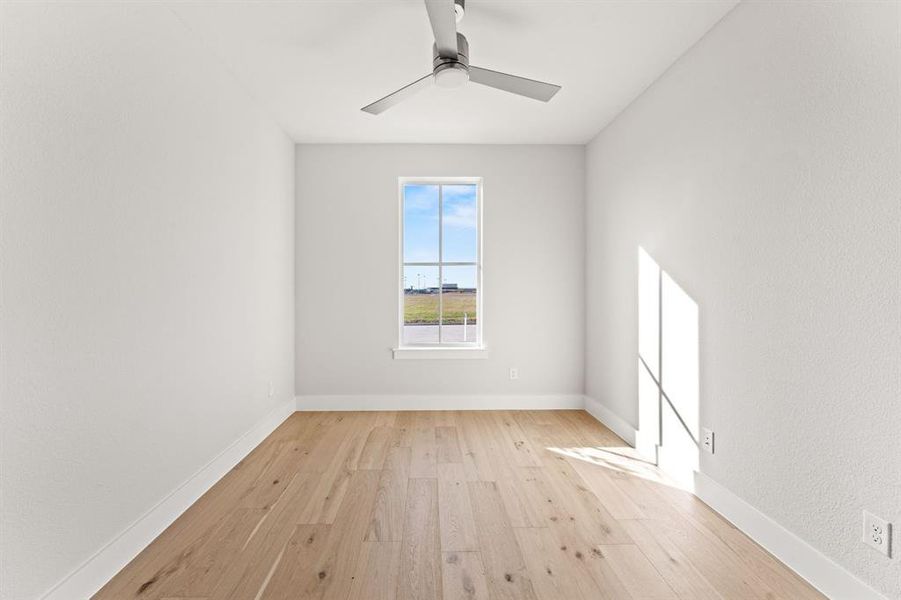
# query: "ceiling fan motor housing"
[451,72]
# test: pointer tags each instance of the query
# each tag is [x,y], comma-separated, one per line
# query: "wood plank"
[388,513]
[339,561]
[589,431]
[581,507]
[420,570]
[534,417]
[784,582]
[329,440]
[528,498]
[376,577]
[274,479]
[458,530]
[375,450]
[329,572]
[757,560]
[587,562]
[448,450]
[671,563]
[463,576]
[305,545]
[550,568]
[643,496]
[637,573]
[404,423]
[398,459]
[476,456]
[514,443]
[505,568]
[263,549]
[491,438]
[385,418]
[423,419]
[617,503]
[201,572]
[423,460]
[725,571]
[446,418]
[326,498]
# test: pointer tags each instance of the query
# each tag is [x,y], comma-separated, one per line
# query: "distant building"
[447,287]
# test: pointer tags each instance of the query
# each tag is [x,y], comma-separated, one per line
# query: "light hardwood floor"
[546,505]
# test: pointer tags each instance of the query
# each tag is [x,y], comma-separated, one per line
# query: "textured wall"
[763,173]
[347,224]
[147,266]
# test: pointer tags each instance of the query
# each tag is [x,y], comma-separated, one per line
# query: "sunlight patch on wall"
[668,372]
[647,438]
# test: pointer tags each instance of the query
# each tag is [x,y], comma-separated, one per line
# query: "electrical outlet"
[877,533]
[707,439]
[514,373]
[271,390]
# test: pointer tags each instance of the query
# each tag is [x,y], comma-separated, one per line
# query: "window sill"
[427,352]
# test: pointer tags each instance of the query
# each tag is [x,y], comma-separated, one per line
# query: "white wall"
[347,250]
[147,267]
[762,174]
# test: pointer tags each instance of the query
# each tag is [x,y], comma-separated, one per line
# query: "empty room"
[450,299]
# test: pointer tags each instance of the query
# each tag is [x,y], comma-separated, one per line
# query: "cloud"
[460,215]
[420,198]
[421,202]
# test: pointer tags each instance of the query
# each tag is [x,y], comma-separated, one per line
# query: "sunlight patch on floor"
[622,459]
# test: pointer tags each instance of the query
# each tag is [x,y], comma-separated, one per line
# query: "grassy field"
[423,308]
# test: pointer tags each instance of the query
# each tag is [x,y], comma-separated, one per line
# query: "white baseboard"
[440,402]
[613,421]
[93,574]
[808,562]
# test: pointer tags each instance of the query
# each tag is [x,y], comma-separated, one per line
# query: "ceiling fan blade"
[380,106]
[444,26]
[511,83]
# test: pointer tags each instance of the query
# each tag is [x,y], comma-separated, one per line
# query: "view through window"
[441,263]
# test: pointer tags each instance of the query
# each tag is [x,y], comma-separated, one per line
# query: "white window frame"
[441,349]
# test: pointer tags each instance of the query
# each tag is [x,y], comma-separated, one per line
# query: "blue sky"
[421,233]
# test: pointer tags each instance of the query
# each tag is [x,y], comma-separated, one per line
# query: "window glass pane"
[420,223]
[460,222]
[459,305]
[420,305]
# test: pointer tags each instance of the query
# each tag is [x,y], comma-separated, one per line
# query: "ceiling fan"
[450,62]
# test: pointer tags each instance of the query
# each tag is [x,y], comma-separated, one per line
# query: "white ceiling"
[314,64]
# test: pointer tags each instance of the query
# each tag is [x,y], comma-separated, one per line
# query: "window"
[440,287]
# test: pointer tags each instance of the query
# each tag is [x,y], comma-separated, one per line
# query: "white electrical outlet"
[514,373]
[271,390]
[707,439]
[877,533]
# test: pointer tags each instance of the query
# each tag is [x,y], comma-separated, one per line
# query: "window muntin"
[440,262]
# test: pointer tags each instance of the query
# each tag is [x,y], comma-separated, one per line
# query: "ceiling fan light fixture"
[459,9]
[451,76]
